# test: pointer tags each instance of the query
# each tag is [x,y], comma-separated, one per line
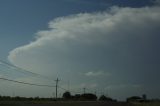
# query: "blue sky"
[21,19]
[106,45]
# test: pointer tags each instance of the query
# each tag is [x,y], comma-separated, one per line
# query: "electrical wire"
[24,71]
[69,90]
[21,82]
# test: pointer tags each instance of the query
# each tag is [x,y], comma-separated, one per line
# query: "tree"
[104,98]
[67,95]
[144,96]
[134,99]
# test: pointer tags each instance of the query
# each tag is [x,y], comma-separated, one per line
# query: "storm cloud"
[121,41]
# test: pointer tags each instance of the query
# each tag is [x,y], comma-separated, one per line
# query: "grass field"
[148,104]
[74,103]
[64,103]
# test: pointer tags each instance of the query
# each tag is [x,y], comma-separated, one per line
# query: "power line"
[21,82]
[17,68]
[67,90]
[62,88]
[40,85]
[24,71]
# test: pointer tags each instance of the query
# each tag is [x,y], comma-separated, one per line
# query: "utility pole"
[84,90]
[57,80]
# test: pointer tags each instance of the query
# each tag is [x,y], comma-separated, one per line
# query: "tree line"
[65,97]
[85,97]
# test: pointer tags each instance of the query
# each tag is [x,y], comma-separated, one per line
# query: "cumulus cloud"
[123,40]
[93,73]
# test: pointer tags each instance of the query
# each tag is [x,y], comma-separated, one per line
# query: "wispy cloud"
[94,73]
[97,73]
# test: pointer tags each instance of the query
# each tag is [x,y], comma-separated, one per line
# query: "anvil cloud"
[120,41]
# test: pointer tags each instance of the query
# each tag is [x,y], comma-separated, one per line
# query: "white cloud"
[93,73]
[96,73]
[123,39]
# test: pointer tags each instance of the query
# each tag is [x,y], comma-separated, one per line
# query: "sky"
[106,46]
